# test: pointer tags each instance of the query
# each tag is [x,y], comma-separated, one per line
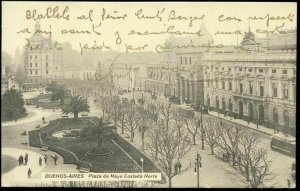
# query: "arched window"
[250,87]
[274,90]
[286,119]
[275,115]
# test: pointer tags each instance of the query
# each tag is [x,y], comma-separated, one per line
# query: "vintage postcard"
[148,94]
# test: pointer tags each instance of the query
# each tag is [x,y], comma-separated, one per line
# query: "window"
[230,85]
[251,88]
[31,72]
[30,64]
[181,60]
[274,71]
[56,68]
[222,68]
[229,69]
[46,71]
[223,85]
[208,83]
[30,57]
[35,64]
[46,56]
[216,68]
[294,89]
[35,56]
[285,92]
[261,90]
[241,88]
[36,72]
[260,70]
[46,64]
[240,69]
[274,90]
[190,60]
[217,84]
[294,72]
[186,60]
[284,71]
[250,70]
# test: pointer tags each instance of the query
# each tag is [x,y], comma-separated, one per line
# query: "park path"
[19,173]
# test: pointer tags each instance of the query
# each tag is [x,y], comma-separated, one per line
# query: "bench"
[84,115]
[85,170]
[44,148]
[64,116]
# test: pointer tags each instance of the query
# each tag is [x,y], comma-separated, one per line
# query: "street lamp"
[198,165]
[142,161]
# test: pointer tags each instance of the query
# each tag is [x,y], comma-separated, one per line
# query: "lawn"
[118,162]
[45,105]
[7,163]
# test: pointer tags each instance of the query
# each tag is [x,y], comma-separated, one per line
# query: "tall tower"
[37,27]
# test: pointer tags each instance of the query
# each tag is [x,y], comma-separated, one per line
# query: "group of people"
[177,167]
[23,160]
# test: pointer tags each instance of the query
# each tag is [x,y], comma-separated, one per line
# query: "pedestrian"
[248,121]
[40,161]
[45,159]
[288,183]
[179,166]
[176,167]
[43,118]
[21,160]
[26,159]
[29,173]
[55,158]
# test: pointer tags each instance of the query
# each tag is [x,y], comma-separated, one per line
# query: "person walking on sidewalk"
[179,166]
[43,118]
[29,173]
[26,159]
[45,159]
[40,161]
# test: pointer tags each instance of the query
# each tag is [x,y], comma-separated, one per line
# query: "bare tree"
[253,164]
[146,119]
[114,109]
[171,147]
[178,119]
[122,116]
[133,119]
[165,113]
[229,139]
[212,132]
[193,125]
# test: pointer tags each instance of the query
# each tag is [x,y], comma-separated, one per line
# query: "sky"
[14,20]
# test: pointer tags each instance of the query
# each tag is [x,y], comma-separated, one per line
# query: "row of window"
[36,64]
[36,57]
[36,72]
[186,60]
[261,89]
[260,70]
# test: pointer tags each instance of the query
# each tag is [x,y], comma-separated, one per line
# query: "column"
[187,89]
[291,91]
[178,88]
[280,92]
[182,85]
[192,91]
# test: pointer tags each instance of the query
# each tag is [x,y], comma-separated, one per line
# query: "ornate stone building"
[43,58]
[255,86]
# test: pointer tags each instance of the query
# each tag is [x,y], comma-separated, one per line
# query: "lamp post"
[142,161]
[198,165]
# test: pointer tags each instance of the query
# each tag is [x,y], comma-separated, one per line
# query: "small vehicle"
[284,144]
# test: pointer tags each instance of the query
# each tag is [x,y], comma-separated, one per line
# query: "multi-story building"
[255,86]
[43,57]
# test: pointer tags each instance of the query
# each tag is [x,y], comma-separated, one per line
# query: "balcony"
[249,96]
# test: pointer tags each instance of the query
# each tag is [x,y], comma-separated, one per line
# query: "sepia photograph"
[148,94]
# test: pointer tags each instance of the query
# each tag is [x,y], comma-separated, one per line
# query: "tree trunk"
[194,139]
[122,128]
[75,115]
[202,140]
[143,140]
[170,182]
[212,149]
[131,136]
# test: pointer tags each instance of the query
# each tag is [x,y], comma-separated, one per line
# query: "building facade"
[43,58]
[259,87]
